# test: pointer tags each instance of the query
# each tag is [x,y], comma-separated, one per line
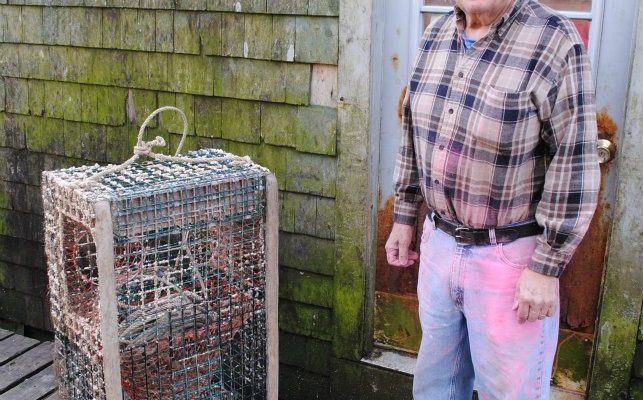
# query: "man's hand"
[536,296]
[398,253]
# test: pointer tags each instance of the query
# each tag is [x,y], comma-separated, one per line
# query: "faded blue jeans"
[469,330]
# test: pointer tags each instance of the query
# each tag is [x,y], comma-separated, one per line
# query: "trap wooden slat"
[35,388]
[5,334]
[14,346]
[25,365]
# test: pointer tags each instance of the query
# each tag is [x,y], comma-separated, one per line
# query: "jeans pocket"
[427,227]
[517,254]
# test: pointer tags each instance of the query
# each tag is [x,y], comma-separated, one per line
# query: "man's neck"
[478,24]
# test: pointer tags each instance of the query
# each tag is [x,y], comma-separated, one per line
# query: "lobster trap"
[163,277]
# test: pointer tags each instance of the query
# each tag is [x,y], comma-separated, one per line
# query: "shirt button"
[450,110]
[460,74]
[441,147]
[437,182]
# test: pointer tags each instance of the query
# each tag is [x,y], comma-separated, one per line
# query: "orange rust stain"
[400,104]
[580,284]
[607,128]
[394,279]
[395,60]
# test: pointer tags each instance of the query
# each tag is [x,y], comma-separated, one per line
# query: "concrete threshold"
[404,363]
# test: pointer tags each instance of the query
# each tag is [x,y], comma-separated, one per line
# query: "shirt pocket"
[503,120]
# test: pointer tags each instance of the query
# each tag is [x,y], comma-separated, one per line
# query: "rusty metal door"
[608,34]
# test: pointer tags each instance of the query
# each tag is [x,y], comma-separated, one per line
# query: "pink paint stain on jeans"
[470,332]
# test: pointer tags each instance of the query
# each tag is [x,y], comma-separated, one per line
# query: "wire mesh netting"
[189,269]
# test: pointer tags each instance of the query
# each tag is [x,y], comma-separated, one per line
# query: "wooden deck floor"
[26,370]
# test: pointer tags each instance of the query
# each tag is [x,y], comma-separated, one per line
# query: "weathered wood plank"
[24,365]
[5,334]
[53,396]
[356,188]
[14,346]
[36,387]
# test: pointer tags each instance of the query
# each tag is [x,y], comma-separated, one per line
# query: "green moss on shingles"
[241,120]
[207,116]
[306,287]
[304,319]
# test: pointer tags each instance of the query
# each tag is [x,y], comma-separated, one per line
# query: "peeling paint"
[395,61]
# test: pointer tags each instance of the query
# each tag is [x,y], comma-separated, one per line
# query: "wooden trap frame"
[163,277]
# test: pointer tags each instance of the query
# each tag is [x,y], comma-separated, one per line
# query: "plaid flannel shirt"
[505,132]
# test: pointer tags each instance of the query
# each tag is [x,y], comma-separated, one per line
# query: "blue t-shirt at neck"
[468,42]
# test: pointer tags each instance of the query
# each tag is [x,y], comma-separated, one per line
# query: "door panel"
[396,322]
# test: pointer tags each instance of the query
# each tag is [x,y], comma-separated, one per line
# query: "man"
[500,141]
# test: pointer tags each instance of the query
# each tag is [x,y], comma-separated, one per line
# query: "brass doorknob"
[606,151]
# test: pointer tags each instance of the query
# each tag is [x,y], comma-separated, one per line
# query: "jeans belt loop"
[432,218]
[492,237]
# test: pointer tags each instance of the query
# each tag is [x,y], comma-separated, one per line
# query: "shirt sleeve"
[408,195]
[572,179]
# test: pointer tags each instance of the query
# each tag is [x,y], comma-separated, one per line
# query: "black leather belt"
[481,237]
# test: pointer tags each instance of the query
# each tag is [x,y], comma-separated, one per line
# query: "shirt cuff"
[405,213]
[548,261]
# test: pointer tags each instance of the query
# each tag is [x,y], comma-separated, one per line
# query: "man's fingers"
[403,253]
[391,256]
[523,312]
[534,313]
[550,312]
[398,253]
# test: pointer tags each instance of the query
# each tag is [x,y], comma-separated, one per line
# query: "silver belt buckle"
[464,235]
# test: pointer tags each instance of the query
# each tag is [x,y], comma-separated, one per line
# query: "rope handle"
[145,148]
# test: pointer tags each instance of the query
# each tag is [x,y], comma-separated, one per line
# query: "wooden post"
[272,286]
[104,237]
[356,181]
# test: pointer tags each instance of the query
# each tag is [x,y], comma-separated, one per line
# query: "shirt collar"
[500,25]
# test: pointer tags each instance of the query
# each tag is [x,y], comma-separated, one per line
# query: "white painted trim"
[436,9]
[104,236]
[569,14]
[595,34]
[415,24]
[272,286]
[392,360]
